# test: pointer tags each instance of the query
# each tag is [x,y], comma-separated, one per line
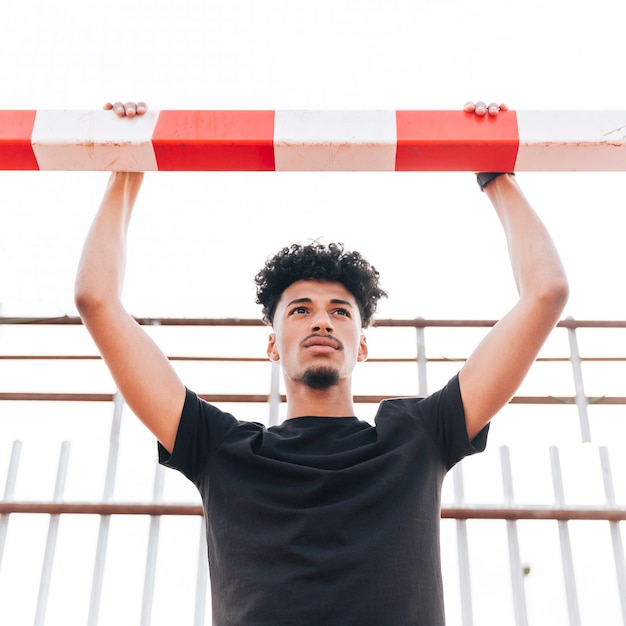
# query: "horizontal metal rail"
[517,512]
[262,397]
[252,359]
[418,322]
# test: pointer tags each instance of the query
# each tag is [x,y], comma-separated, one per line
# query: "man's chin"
[321,378]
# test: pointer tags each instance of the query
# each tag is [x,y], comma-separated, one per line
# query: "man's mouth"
[322,343]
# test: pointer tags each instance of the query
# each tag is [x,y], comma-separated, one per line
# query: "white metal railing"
[611,511]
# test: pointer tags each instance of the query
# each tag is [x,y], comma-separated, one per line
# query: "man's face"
[317,328]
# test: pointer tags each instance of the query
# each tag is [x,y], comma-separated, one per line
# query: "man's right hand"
[128,109]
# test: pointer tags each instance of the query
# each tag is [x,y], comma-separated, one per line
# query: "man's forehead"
[309,290]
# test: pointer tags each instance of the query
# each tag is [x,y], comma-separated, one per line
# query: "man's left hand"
[480,108]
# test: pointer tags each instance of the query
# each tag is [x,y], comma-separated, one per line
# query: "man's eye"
[298,310]
[343,312]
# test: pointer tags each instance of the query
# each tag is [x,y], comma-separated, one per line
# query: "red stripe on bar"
[456,141]
[16,129]
[214,141]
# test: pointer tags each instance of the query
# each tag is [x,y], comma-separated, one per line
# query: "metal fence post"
[53,529]
[274,398]
[517,573]
[616,536]
[465,582]
[9,488]
[202,578]
[566,546]
[581,398]
[153,545]
[422,382]
[107,496]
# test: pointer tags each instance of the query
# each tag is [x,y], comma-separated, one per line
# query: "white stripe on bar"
[335,140]
[93,141]
[591,141]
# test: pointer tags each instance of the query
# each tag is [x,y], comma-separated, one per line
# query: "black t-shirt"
[325,521]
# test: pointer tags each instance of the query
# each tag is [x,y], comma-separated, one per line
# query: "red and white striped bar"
[313,141]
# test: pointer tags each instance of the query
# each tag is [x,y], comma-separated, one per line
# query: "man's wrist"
[485,178]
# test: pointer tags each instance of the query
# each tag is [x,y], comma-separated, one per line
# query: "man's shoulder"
[446,398]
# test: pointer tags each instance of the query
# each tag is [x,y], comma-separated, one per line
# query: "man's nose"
[322,322]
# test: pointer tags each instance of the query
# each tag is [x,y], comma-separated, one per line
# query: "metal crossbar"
[314,141]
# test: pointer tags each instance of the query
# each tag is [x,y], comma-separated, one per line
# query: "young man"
[323,519]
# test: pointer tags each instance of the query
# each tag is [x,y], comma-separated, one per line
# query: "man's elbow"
[86,302]
[89,301]
[555,294]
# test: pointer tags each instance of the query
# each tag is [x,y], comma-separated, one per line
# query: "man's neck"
[333,402]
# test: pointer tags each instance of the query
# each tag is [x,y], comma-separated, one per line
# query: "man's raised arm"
[141,371]
[499,364]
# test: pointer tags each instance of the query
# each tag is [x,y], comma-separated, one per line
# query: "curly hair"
[317,261]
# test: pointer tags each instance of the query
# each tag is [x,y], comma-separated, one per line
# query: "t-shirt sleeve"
[445,415]
[201,429]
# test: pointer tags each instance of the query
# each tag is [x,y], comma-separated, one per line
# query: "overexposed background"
[197,239]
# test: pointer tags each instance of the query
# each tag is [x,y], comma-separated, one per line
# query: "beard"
[320,378]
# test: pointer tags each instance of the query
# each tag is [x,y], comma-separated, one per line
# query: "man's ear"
[363,350]
[272,350]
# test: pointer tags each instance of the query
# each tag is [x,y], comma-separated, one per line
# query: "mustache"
[337,342]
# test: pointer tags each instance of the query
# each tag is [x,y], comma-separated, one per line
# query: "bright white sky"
[432,236]
[281,55]
[198,238]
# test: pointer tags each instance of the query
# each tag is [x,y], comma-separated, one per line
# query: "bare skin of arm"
[141,371]
[499,364]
